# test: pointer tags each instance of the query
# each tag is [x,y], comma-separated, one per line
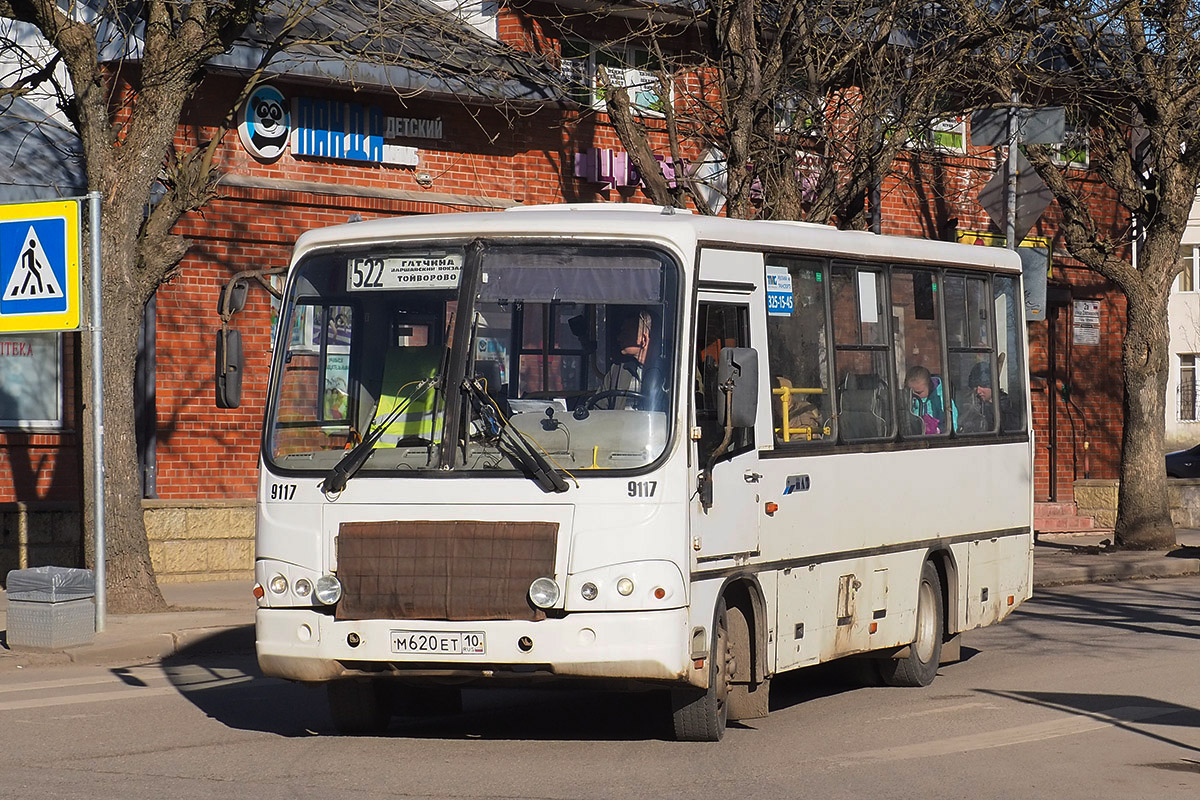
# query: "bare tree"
[810,101]
[131,70]
[1130,70]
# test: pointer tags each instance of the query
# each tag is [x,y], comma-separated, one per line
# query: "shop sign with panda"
[328,129]
[265,124]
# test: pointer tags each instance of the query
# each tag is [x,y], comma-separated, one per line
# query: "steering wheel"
[608,394]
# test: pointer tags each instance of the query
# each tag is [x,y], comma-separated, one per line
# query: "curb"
[185,643]
[149,648]
[1102,571]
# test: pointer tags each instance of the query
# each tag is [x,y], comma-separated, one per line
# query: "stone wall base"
[39,535]
[200,540]
[1098,499]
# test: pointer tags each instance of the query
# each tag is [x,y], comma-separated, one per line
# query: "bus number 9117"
[642,488]
[283,491]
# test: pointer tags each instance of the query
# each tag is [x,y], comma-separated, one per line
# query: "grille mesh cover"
[448,570]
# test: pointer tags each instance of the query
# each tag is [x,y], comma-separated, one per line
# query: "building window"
[590,69]
[1075,149]
[1189,257]
[31,380]
[1187,387]
[800,115]
[944,134]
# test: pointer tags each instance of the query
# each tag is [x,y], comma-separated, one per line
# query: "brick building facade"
[201,461]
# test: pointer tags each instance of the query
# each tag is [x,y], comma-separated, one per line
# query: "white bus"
[620,445]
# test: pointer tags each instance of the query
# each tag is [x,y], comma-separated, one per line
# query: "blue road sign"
[39,266]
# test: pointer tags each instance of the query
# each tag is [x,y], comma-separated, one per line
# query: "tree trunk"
[1143,506]
[130,582]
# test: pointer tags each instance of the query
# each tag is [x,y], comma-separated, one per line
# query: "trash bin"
[51,607]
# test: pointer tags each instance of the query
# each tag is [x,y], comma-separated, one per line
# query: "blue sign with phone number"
[780,301]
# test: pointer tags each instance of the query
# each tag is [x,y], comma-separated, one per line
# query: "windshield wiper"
[350,463]
[526,455]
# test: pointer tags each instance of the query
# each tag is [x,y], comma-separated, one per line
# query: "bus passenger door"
[730,526]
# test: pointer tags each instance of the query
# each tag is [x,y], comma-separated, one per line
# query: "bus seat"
[403,367]
[861,407]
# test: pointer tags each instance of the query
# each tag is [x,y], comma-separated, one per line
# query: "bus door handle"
[750,476]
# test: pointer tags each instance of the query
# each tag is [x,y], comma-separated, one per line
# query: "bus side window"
[1011,367]
[925,406]
[797,340]
[863,354]
[971,352]
[718,325]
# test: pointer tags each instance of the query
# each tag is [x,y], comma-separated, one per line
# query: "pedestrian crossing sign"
[39,266]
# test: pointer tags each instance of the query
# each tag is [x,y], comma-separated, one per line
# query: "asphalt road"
[1087,692]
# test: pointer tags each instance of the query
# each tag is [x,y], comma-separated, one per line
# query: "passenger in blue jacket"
[926,402]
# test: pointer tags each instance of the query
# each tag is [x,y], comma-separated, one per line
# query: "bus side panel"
[884,512]
[799,618]
[997,578]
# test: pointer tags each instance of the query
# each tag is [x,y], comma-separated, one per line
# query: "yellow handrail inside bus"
[785,394]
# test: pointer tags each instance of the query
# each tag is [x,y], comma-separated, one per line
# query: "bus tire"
[701,716]
[920,666]
[358,706]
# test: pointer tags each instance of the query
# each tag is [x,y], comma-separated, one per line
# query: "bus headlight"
[302,587]
[278,584]
[329,590]
[544,592]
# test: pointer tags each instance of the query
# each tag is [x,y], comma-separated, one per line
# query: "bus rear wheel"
[358,706]
[920,666]
[701,716]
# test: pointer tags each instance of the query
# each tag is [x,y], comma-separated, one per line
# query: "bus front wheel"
[701,716]
[920,666]
[358,706]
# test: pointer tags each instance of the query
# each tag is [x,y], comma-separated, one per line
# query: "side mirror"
[737,368]
[233,297]
[229,368]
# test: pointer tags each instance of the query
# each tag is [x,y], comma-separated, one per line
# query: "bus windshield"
[565,357]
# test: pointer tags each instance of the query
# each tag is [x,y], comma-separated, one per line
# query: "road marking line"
[61,684]
[942,710]
[121,691]
[93,697]
[1022,734]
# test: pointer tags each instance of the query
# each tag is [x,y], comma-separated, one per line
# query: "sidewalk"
[206,617]
[1065,558]
[218,616]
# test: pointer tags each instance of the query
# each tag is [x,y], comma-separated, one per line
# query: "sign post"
[41,291]
[98,411]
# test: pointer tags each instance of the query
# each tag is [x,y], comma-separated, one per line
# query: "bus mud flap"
[952,650]
[749,701]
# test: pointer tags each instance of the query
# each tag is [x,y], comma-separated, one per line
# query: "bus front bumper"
[304,645]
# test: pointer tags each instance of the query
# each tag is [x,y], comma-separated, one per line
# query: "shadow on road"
[1138,607]
[1127,712]
[220,676]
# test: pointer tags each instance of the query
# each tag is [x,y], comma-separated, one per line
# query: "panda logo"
[265,124]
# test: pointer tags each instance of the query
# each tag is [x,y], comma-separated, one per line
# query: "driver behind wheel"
[627,372]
